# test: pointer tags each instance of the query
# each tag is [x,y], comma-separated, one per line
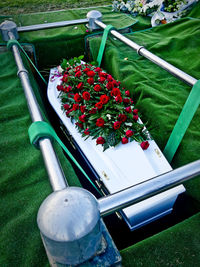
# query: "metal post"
[52,25]
[147,54]
[54,170]
[142,191]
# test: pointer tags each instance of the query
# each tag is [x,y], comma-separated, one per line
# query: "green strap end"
[103,43]
[189,109]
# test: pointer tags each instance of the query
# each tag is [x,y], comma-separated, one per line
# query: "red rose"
[91,73]
[93,111]
[65,78]
[80,86]
[66,106]
[109,85]
[67,113]
[128,109]
[68,89]
[115,92]
[82,118]
[60,87]
[97,88]
[99,105]
[127,93]
[77,68]
[86,132]
[101,79]
[103,74]
[122,117]
[79,125]
[98,69]
[118,99]
[144,145]
[135,117]
[78,74]
[135,111]
[100,122]
[86,96]
[124,140]
[75,106]
[100,141]
[77,97]
[129,133]
[86,70]
[109,78]
[82,109]
[116,83]
[126,100]
[90,81]
[131,101]
[104,99]
[116,125]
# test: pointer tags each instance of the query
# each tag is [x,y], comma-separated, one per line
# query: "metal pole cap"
[69,222]
[92,16]
[6,27]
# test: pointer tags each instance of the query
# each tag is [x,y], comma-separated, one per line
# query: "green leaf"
[81,57]
[64,64]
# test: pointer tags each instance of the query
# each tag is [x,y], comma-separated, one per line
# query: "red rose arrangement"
[101,107]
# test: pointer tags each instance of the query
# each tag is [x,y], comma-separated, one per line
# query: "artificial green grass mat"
[53,45]
[24,182]
[176,246]
[158,95]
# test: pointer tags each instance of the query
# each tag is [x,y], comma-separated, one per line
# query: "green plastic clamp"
[39,130]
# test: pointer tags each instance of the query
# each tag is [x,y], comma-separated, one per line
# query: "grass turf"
[8,7]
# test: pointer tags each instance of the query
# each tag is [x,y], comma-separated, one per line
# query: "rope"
[41,129]
[12,42]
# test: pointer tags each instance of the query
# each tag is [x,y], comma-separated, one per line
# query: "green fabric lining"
[55,44]
[177,246]
[12,42]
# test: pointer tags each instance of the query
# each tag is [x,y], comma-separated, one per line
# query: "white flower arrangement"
[148,7]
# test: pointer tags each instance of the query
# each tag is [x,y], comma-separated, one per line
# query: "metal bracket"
[6,27]
[92,16]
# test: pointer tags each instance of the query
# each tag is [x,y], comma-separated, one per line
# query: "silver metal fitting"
[6,27]
[138,50]
[22,70]
[69,222]
[92,16]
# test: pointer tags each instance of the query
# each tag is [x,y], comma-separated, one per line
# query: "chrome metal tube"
[51,25]
[54,170]
[155,59]
[142,191]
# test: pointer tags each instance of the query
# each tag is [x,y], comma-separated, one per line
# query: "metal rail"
[147,54]
[142,191]
[51,25]
[54,170]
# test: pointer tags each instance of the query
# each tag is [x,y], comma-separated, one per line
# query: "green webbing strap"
[41,129]
[187,113]
[103,43]
[11,42]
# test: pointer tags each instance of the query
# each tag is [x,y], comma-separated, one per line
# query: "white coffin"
[122,167]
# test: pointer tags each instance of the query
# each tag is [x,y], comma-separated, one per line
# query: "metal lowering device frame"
[71,243]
